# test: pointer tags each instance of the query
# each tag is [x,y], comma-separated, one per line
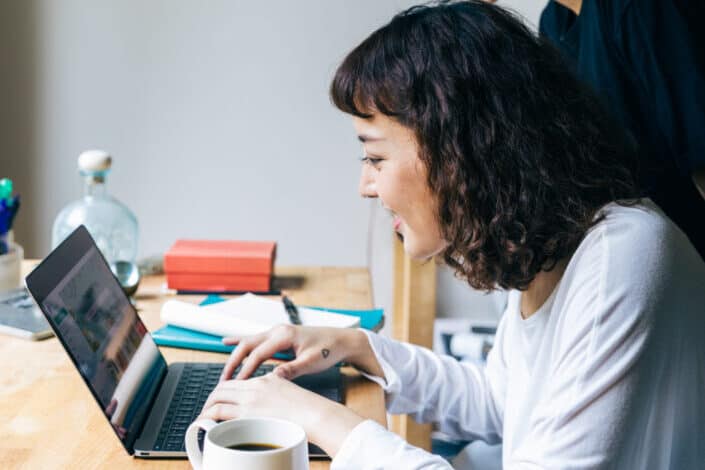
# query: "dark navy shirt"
[646,60]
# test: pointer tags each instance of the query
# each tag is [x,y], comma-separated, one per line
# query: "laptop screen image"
[101,331]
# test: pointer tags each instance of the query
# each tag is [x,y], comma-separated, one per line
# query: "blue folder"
[176,337]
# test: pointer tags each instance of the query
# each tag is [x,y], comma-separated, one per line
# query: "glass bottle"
[111,223]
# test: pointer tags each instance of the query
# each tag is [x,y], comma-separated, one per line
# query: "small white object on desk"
[11,267]
[246,315]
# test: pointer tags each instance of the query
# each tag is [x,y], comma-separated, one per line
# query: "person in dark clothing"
[646,60]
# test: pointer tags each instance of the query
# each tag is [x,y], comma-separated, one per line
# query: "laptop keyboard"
[196,383]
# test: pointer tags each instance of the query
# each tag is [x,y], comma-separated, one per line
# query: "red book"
[218,282]
[218,266]
[223,257]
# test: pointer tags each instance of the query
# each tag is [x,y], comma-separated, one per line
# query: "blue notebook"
[182,338]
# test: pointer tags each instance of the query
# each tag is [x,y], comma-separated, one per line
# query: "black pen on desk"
[291,310]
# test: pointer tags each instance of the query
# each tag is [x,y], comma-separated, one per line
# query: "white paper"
[248,314]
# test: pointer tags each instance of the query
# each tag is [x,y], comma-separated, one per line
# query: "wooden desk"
[48,418]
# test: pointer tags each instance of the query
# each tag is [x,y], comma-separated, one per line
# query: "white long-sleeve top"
[608,373]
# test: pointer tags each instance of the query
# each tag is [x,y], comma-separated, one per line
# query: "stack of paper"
[248,314]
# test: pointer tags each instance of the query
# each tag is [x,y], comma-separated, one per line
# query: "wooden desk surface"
[48,418]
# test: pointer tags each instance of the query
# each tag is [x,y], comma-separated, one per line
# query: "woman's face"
[393,172]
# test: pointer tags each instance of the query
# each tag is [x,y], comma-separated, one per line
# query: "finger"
[234,360]
[220,412]
[225,394]
[260,354]
[306,363]
[243,349]
[232,340]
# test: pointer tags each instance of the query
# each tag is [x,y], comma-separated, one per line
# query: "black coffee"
[253,446]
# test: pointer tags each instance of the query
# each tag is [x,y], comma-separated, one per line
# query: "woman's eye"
[371,160]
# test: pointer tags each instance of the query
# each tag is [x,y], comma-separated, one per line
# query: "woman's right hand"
[316,349]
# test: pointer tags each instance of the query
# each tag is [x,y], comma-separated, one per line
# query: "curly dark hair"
[521,154]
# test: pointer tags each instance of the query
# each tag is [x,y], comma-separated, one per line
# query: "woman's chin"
[416,252]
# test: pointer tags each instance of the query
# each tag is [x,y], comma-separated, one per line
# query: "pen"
[291,310]
[8,210]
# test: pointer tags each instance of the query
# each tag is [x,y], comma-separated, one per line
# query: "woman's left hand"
[274,397]
[267,396]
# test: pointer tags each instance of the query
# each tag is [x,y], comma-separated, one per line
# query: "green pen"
[6,191]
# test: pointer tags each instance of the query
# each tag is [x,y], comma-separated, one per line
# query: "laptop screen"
[101,331]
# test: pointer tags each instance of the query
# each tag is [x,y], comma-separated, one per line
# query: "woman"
[493,157]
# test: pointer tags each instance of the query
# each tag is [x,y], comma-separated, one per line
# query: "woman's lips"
[397,223]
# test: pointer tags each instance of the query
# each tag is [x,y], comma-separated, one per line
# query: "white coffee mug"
[291,454]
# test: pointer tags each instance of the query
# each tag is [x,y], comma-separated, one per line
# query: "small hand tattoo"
[324,353]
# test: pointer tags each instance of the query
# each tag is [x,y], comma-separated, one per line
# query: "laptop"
[148,403]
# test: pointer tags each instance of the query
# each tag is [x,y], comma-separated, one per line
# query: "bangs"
[369,81]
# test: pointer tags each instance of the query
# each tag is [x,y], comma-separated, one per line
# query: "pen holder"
[11,267]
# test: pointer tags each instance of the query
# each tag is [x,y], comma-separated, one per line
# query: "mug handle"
[195,455]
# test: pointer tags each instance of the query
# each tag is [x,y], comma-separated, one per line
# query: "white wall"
[218,118]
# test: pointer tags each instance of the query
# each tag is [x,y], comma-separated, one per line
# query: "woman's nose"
[367,186]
